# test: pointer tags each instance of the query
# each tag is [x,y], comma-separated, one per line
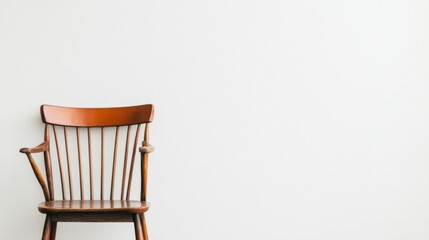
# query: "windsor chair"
[90,125]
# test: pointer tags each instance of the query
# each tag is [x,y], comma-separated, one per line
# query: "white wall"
[274,120]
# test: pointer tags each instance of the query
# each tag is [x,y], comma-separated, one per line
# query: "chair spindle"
[102,165]
[68,163]
[48,165]
[91,189]
[82,197]
[133,157]
[124,174]
[144,165]
[115,151]
[60,166]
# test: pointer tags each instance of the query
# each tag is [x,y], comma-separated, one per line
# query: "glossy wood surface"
[96,117]
[62,206]
[72,128]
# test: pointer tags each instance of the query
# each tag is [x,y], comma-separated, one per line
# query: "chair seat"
[93,206]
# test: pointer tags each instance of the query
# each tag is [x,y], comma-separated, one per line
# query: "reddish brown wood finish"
[96,117]
[138,227]
[118,208]
[90,165]
[143,221]
[59,162]
[47,228]
[63,206]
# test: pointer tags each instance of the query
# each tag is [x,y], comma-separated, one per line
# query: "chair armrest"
[39,148]
[147,149]
[43,147]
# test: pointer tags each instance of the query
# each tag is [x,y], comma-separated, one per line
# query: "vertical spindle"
[60,166]
[80,164]
[124,174]
[91,189]
[68,163]
[133,157]
[115,151]
[144,164]
[102,165]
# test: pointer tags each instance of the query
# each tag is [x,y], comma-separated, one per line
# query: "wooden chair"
[90,125]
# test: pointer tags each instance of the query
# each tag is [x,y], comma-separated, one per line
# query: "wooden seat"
[88,206]
[102,202]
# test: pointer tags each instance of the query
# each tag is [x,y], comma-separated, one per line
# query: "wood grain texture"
[96,117]
[117,209]
[39,148]
[63,206]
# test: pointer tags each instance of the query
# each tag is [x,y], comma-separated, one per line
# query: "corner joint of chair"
[39,148]
[147,149]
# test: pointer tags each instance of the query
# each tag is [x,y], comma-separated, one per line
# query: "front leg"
[138,226]
[47,228]
[143,221]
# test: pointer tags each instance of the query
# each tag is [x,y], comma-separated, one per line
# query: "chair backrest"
[92,145]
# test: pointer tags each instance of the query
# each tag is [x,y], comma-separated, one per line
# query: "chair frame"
[94,211]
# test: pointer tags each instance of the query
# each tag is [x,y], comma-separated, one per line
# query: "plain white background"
[274,120]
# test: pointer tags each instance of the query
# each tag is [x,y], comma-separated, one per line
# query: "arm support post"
[40,148]
[144,150]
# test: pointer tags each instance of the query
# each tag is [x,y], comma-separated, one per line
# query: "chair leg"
[47,228]
[143,220]
[53,230]
[138,227]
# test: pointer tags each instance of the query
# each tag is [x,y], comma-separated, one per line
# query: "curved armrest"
[147,149]
[39,148]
